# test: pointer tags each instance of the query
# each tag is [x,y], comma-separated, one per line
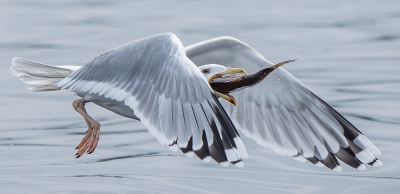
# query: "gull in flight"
[196,98]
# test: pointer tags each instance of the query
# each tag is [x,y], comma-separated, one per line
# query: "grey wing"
[168,93]
[282,114]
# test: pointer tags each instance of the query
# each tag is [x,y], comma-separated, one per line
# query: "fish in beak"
[220,78]
[223,85]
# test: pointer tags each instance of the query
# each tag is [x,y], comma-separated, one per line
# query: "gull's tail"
[40,77]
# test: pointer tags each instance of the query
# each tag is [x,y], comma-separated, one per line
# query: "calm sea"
[348,53]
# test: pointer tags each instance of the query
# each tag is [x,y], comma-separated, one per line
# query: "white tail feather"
[40,77]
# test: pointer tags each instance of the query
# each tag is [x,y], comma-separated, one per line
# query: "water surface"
[348,55]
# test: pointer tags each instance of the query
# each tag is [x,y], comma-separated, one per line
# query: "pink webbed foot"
[91,139]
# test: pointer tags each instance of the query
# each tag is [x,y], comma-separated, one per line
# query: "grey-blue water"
[348,53]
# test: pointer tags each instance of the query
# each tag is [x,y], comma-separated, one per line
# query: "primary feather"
[282,114]
[167,92]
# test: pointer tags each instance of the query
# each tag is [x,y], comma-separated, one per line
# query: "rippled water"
[349,54]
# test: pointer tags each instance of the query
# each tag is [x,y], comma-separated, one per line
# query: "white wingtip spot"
[364,157]
[337,169]
[231,155]
[189,154]
[239,164]
[240,147]
[361,167]
[364,143]
[207,159]
[377,163]
[319,164]
[224,164]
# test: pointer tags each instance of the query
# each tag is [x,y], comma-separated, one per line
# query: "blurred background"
[348,53]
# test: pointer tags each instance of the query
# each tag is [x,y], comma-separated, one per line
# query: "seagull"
[196,98]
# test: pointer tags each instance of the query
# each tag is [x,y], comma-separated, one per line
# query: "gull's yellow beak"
[230,70]
[227,97]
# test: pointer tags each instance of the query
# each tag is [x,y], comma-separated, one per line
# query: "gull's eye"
[205,71]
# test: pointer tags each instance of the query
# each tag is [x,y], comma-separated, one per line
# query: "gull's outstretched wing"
[167,92]
[282,114]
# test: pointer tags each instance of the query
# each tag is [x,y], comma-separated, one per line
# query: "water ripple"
[129,156]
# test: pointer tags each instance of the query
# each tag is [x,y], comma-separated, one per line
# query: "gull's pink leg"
[90,140]
[82,145]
